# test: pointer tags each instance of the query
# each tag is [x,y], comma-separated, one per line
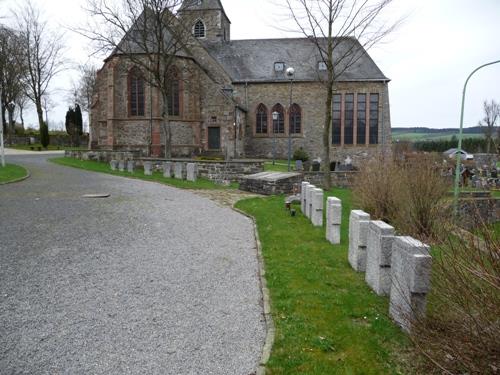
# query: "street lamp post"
[459,152]
[2,150]
[290,73]
[275,119]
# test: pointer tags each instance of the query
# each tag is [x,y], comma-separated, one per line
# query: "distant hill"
[428,134]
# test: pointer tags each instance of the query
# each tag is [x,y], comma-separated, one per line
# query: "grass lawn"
[11,172]
[139,174]
[327,319]
[279,165]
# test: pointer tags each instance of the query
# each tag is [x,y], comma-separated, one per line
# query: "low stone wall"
[216,170]
[103,155]
[212,170]
[473,211]
[338,179]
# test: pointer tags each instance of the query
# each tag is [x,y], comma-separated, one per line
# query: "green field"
[413,137]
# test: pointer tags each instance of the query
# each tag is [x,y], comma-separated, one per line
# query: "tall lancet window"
[199,29]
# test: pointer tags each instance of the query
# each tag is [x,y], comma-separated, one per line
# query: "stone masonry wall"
[310,96]
[338,179]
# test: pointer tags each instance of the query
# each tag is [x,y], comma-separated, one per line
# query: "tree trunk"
[326,137]
[488,139]
[167,129]
[12,125]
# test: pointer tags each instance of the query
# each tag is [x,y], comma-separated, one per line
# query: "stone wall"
[103,155]
[216,170]
[309,96]
[338,179]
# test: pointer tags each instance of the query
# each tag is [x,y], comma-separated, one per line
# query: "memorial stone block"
[148,168]
[192,172]
[167,169]
[317,207]
[333,220]
[358,230]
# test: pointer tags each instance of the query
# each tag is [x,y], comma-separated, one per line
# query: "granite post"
[192,172]
[411,266]
[378,257]
[303,190]
[167,169]
[114,165]
[358,229]
[148,168]
[130,166]
[309,191]
[333,220]
[317,207]
[179,170]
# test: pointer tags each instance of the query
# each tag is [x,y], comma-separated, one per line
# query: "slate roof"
[253,60]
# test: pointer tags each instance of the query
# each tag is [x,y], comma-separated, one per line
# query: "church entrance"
[214,138]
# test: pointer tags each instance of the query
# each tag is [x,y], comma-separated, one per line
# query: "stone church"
[240,102]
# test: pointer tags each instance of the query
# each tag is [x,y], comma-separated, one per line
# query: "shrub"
[301,154]
[460,332]
[408,195]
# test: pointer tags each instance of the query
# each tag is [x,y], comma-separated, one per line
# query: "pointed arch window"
[136,93]
[199,29]
[279,124]
[261,120]
[174,92]
[295,119]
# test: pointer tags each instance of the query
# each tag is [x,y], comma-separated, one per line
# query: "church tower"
[206,19]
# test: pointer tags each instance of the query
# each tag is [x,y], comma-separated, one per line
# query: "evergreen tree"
[44,134]
[78,120]
[71,125]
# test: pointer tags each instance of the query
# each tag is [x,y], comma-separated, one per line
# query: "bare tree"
[330,25]
[22,103]
[12,72]
[490,120]
[44,55]
[149,35]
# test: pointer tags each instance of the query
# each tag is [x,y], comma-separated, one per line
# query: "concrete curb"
[270,329]
[28,175]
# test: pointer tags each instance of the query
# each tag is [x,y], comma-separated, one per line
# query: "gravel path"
[152,280]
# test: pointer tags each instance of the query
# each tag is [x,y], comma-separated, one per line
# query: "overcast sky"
[428,58]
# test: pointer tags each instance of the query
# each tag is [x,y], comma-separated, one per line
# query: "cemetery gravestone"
[358,229]
[148,168]
[303,190]
[167,169]
[317,208]
[121,166]
[410,273]
[179,170]
[378,257]
[114,165]
[131,166]
[333,220]
[309,191]
[192,172]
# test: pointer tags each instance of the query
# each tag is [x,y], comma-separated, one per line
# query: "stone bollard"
[192,172]
[130,166]
[309,191]
[378,257]
[167,169]
[179,170]
[148,168]
[317,208]
[411,266]
[358,229]
[114,165]
[121,165]
[303,190]
[333,220]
